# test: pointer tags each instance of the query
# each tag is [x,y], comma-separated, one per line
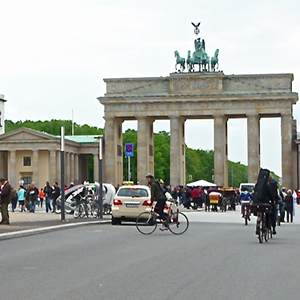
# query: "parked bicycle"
[83,207]
[178,223]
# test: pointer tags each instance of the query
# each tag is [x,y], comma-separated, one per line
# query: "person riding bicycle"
[266,193]
[158,196]
[244,199]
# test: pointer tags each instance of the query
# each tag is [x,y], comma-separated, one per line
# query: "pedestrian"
[174,193]
[14,199]
[289,203]
[196,197]
[55,195]
[48,194]
[32,196]
[206,200]
[298,197]
[5,200]
[42,196]
[21,198]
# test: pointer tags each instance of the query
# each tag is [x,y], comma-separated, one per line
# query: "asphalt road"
[212,260]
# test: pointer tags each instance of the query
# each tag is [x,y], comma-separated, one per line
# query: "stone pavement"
[25,223]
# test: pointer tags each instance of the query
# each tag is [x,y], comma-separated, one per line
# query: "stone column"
[35,167]
[145,151]
[286,148]
[67,168]
[72,168]
[96,168]
[76,162]
[58,167]
[177,151]
[253,128]
[220,148]
[12,174]
[113,151]
[3,164]
[295,155]
[52,167]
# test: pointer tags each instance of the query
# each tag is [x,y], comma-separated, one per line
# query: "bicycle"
[83,208]
[246,211]
[263,231]
[178,223]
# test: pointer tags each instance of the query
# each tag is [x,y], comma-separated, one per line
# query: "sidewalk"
[25,223]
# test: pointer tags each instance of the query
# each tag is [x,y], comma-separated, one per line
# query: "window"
[27,181]
[132,192]
[26,161]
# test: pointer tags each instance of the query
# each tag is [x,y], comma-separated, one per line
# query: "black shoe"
[274,232]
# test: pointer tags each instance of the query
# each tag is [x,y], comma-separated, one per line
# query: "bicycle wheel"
[246,220]
[179,223]
[76,212]
[146,223]
[265,231]
[259,229]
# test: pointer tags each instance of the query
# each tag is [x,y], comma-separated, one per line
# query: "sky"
[55,54]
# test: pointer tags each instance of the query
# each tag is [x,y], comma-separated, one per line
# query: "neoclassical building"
[32,156]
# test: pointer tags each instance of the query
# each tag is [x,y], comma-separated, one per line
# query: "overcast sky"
[55,54]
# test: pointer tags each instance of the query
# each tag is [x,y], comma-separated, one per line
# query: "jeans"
[32,205]
[48,204]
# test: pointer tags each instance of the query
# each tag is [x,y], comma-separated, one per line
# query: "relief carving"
[186,85]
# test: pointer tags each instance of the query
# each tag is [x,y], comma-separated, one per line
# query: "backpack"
[261,190]
[162,186]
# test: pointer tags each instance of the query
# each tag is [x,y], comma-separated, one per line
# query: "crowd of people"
[28,198]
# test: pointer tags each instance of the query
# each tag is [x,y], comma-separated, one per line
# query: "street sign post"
[128,150]
[129,153]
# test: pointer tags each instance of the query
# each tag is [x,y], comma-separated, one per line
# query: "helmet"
[149,175]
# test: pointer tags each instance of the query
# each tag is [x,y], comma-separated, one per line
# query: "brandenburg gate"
[207,94]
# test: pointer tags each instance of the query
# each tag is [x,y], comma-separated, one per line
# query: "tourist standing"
[21,198]
[14,199]
[32,195]
[42,196]
[289,205]
[5,199]
[55,195]
[48,195]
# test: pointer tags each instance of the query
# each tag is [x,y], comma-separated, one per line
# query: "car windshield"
[132,192]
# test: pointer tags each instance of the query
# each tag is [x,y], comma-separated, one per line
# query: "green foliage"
[53,127]
[199,163]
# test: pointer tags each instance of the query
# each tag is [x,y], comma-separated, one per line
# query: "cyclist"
[244,199]
[158,196]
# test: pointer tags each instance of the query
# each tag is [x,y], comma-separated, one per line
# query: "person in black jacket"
[5,199]
[48,195]
[273,200]
[289,206]
[55,195]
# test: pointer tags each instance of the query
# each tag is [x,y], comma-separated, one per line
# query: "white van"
[249,186]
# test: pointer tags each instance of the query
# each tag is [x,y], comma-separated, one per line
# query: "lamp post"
[62,165]
[100,211]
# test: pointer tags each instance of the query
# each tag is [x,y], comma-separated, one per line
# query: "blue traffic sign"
[129,150]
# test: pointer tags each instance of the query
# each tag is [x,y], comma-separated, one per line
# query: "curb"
[29,232]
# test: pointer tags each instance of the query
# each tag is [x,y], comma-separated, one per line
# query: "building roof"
[83,139]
